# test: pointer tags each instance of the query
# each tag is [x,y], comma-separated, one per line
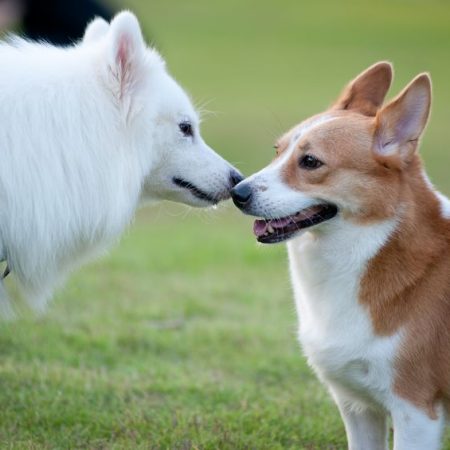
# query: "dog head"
[349,162]
[159,121]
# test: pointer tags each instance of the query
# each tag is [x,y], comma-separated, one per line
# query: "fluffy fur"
[87,133]
[372,282]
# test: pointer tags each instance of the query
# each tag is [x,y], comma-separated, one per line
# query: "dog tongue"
[260,227]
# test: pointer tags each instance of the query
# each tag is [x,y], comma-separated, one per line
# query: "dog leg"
[366,429]
[415,430]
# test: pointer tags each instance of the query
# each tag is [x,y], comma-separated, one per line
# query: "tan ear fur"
[400,123]
[365,94]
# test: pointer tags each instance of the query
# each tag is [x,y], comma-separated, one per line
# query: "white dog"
[87,133]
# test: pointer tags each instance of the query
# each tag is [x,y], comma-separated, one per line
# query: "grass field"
[184,336]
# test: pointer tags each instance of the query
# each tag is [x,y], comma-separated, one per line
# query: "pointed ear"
[401,122]
[126,53]
[365,94]
[96,29]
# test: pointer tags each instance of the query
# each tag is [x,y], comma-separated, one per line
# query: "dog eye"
[186,128]
[310,162]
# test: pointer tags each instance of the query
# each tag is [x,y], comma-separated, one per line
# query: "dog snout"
[241,194]
[235,177]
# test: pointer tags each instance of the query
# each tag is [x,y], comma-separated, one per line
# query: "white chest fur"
[334,328]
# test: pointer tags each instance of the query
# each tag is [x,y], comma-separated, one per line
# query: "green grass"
[184,336]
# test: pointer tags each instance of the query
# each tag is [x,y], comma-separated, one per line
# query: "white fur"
[445,205]
[327,263]
[413,428]
[299,132]
[96,30]
[87,134]
[336,334]
[443,200]
[335,330]
[271,197]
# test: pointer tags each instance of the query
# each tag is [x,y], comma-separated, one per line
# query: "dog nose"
[235,177]
[241,194]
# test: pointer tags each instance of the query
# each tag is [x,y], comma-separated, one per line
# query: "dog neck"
[387,261]
[394,281]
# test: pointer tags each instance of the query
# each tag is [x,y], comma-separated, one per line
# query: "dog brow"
[306,127]
[305,147]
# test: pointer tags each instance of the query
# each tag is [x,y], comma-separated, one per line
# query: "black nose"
[241,194]
[235,177]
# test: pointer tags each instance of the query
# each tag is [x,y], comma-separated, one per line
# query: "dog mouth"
[195,191]
[272,231]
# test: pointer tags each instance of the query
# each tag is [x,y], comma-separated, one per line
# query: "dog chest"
[335,330]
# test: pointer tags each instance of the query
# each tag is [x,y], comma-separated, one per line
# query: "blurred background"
[184,336]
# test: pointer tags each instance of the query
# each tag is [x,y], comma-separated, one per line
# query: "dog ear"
[365,94]
[126,54]
[96,29]
[401,122]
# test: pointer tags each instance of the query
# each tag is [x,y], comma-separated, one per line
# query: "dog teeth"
[270,229]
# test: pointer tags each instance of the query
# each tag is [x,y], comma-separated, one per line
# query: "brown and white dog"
[369,252]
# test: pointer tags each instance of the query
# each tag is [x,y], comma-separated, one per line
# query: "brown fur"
[407,285]
[372,168]
[366,92]
[350,173]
